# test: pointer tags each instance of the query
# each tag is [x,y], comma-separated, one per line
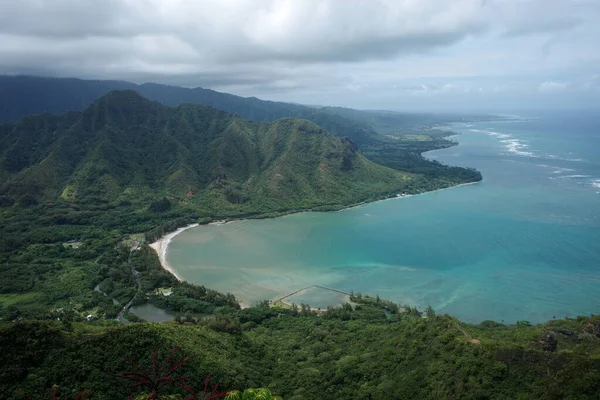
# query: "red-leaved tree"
[160,378]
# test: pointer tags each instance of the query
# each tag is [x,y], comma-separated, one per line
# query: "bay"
[524,244]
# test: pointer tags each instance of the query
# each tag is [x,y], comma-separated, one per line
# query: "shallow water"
[152,313]
[523,244]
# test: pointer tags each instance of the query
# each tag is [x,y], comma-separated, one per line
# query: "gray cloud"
[201,33]
[71,18]
[305,49]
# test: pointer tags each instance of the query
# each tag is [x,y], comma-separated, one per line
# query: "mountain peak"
[126,106]
[123,97]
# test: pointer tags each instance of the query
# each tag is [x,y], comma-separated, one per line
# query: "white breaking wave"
[561,170]
[515,146]
[552,156]
[596,183]
[573,176]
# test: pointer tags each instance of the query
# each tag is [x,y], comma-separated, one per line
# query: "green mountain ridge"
[26,95]
[124,147]
[83,193]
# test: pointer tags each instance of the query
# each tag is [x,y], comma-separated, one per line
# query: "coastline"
[160,246]
[398,197]
[162,243]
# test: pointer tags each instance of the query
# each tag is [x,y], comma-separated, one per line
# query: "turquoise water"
[523,244]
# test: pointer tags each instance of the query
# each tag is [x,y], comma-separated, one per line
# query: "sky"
[371,54]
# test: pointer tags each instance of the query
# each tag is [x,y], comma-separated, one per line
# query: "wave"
[491,133]
[560,170]
[553,157]
[596,183]
[573,176]
[517,146]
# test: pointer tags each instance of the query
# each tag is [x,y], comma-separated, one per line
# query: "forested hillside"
[344,353]
[126,148]
[25,95]
[79,190]
[81,195]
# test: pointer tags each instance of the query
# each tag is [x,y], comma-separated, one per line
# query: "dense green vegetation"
[126,149]
[58,96]
[79,191]
[370,130]
[404,150]
[356,353]
[82,194]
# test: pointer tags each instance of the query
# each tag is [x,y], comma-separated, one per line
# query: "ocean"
[524,244]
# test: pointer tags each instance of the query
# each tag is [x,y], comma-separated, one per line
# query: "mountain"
[124,147]
[26,95]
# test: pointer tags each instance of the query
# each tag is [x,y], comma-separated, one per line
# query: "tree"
[55,394]
[160,205]
[189,318]
[28,201]
[304,309]
[252,394]
[429,311]
[12,313]
[294,309]
[160,378]
[414,312]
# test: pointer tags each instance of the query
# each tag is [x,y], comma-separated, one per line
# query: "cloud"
[529,17]
[297,49]
[552,87]
[243,30]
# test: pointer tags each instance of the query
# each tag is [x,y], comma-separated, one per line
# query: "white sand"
[160,246]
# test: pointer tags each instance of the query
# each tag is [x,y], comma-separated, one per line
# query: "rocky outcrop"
[549,343]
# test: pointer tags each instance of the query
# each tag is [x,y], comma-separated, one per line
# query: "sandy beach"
[160,246]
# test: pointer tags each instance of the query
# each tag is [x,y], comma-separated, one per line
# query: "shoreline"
[406,196]
[160,246]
